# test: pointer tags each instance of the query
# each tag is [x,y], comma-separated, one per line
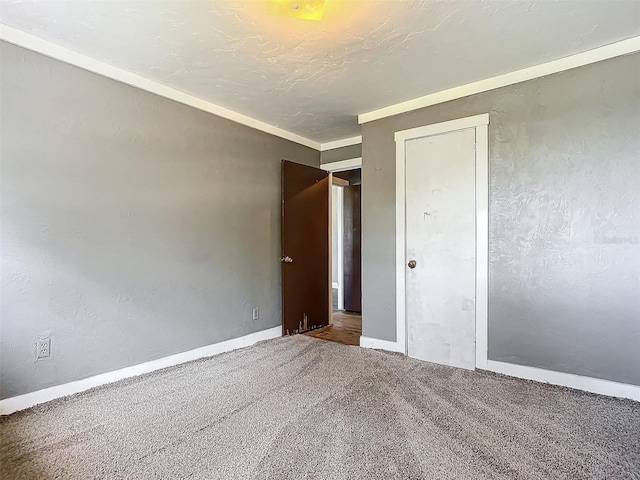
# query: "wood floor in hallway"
[346,329]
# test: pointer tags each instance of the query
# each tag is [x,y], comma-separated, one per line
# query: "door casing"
[335,167]
[481,125]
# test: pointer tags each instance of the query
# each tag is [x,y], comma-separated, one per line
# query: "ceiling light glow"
[304,9]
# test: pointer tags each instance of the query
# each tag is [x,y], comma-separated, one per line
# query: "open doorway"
[346,282]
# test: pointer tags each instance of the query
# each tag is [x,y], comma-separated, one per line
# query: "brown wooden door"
[352,249]
[305,248]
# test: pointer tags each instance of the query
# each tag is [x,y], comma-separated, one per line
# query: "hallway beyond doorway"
[346,328]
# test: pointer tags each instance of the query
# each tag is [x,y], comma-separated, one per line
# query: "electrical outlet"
[256,314]
[43,347]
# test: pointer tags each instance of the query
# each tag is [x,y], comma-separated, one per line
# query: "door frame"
[481,125]
[342,165]
[339,211]
[334,167]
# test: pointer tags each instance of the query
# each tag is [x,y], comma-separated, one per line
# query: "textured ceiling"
[313,78]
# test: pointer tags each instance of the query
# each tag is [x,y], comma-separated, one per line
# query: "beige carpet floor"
[299,407]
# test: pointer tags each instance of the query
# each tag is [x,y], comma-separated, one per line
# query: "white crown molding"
[613,50]
[345,142]
[579,382]
[21,402]
[31,42]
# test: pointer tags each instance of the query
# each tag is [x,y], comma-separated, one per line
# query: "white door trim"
[334,167]
[340,211]
[480,123]
[342,165]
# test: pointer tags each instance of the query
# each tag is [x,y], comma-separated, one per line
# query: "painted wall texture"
[564,219]
[342,153]
[132,227]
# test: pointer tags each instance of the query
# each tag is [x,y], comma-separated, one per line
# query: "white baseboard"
[588,384]
[21,402]
[368,342]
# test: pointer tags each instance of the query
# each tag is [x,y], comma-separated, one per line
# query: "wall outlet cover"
[256,314]
[43,347]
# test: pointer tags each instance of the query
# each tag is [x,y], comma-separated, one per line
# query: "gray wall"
[132,227]
[564,219]
[342,153]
